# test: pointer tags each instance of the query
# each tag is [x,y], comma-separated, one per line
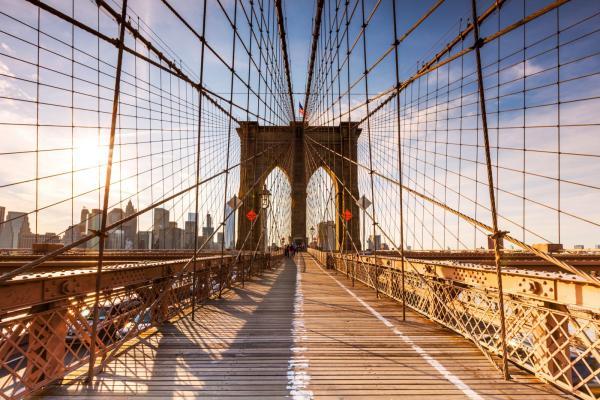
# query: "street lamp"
[265,203]
[265,198]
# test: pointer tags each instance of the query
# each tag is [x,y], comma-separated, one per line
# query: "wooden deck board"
[302,335]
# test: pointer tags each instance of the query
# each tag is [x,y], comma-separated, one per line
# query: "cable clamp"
[478,43]
[98,233]
[499,235]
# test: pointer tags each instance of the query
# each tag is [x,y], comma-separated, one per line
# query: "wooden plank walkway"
[304,335]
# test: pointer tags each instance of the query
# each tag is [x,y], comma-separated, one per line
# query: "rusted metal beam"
[538,285]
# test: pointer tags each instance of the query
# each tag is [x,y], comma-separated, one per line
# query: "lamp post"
[265,203]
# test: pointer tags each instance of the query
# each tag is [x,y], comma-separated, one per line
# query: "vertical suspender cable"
[497,235]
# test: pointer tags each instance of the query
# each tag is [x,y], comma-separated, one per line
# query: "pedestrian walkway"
[304,335]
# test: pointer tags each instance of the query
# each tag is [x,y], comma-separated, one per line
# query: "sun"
[87,153]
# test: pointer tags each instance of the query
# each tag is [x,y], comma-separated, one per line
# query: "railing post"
[552,349]
[243,265]
[221,279]
[46,350]
[354,269]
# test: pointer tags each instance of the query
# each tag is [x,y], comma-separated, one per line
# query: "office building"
[94,224]
[2,214]
[161,222]
[189,230]
[374,244]
[326,235]
[173,236]
[28,239]
[14,228]
[220,244]
[144,240]
[130,227]
[207,232]
[229,228]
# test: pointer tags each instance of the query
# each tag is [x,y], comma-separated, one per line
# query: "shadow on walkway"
[239,345]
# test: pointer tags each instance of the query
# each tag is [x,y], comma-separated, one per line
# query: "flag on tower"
[300,109]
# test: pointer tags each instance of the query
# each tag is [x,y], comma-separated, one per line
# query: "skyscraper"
[374,244]
[14,228]
[2,212]
[130,227]
[94,222]
[220,244]
[208,229]
[161,222]
[326,235]
[116,237]
[114,215]
[72,234]
[189,231]
[85,214]
[229,228]
[144,239]
[172,236]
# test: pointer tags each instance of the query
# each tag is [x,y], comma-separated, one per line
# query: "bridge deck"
[303,334]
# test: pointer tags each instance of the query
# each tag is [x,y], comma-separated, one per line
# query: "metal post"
[497,236]
[364,239]
[102,233]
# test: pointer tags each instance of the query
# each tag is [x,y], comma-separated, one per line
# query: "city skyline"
[16,233]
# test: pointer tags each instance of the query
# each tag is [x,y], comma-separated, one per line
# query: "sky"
[157,126]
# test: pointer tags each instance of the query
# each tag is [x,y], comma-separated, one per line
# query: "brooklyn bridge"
[300,199]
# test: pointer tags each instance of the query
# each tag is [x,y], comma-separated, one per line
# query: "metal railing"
[557,342]
[41,342]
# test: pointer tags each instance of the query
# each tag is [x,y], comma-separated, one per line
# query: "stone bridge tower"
[299,139]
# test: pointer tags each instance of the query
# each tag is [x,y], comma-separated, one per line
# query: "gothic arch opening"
[278,224]
[321,210]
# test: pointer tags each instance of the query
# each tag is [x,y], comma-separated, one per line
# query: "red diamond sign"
[347,215]
[251,215]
